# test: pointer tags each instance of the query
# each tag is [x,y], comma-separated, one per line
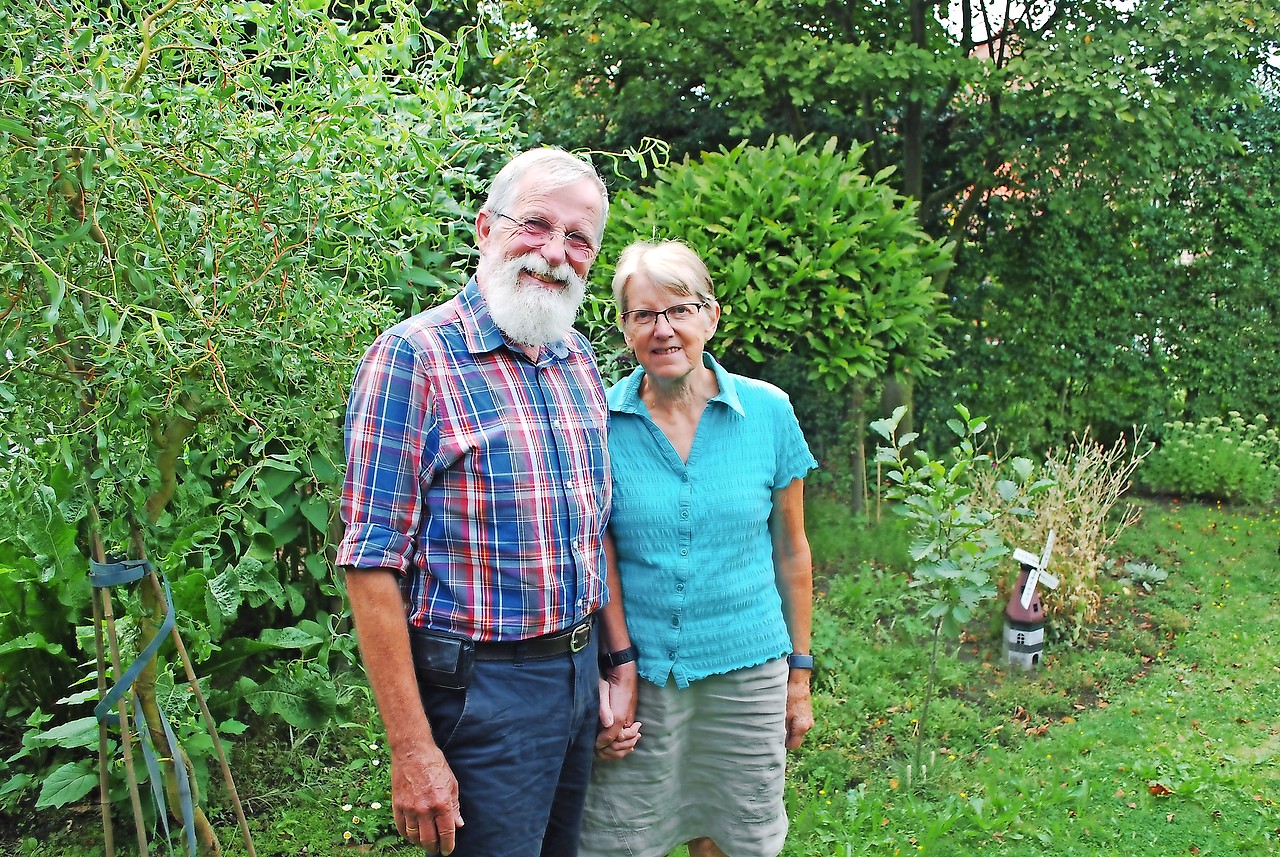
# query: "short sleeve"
[793,455]
[389,434]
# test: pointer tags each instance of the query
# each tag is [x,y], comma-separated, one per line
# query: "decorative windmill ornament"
[1024,614]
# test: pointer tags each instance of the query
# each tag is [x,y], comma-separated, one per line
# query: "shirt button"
[684,513]
[684,477]
[671,655]
[679,587]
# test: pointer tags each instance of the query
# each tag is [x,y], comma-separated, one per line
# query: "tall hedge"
[1092,306]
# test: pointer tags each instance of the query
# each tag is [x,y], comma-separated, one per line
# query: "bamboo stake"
[104,798]
[126,741]
[212,726]
[878,478]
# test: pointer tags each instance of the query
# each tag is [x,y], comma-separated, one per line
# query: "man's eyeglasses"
[537,232]
[678,314]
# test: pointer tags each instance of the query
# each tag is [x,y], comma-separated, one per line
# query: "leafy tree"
[203,212]
[950,105]
[1021,100]
[812,258]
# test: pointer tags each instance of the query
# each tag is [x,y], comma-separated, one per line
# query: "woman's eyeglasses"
[674,315]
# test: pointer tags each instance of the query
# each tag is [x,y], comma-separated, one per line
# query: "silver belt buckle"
[580,637]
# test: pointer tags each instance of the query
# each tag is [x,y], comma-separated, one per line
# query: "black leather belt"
[570,640]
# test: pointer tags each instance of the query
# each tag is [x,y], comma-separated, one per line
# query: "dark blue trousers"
[520,741]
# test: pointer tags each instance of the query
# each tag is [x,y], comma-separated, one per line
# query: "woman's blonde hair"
[670,265]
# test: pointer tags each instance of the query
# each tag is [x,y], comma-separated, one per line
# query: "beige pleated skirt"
[710,762]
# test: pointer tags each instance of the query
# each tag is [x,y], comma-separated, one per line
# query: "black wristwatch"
[800,662]
[608,660]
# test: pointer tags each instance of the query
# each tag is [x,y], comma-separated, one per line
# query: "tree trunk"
[857,418]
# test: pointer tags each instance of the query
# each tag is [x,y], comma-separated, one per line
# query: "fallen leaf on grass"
[1159,789]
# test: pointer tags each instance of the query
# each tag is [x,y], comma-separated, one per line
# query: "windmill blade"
[1026,558]
[1044,557]
[1049,580]
[1030,589]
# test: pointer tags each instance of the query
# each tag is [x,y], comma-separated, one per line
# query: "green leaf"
[232,727]
[289,638]
[225,591]
[302,697]
[316,510]
[68,784]
[8,126]
[76,733]
[30,641]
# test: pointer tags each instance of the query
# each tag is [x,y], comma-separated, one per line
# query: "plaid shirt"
[477,476]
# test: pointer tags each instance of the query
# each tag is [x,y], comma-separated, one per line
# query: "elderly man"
[476,498]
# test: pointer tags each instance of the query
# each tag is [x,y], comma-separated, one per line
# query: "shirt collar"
[624,397]
[483,335]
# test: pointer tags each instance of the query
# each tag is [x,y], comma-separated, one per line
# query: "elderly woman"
[709,545]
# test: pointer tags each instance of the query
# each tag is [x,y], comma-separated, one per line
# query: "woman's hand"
[799,708]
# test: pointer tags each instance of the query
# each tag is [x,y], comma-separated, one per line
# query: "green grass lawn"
[1160,738]
[1163,738]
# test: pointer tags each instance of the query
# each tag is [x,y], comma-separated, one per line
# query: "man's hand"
[424,798]
[424,792]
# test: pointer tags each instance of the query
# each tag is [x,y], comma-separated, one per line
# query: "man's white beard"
[532,315]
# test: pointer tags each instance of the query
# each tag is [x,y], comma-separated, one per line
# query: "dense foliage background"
[208,211]
[1064,217]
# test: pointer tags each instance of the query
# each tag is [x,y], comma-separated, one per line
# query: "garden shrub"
[958,535]
[1082,508]
[1236,460]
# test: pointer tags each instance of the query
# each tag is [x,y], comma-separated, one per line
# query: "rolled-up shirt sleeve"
[390,432]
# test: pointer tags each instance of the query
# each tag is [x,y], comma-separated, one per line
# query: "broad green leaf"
[76,733]
[67,784]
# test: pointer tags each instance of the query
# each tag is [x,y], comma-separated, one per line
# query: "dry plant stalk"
[1090,481]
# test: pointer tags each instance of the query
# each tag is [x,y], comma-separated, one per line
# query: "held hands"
[424,798]
[619,731]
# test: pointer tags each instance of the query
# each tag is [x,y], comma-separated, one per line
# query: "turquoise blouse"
[694,549]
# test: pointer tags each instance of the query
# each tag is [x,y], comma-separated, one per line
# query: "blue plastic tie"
[127,572]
